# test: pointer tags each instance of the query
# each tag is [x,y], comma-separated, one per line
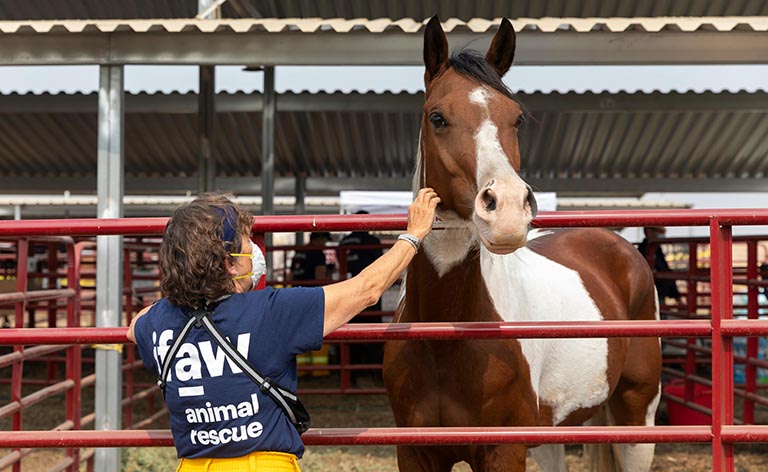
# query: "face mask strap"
[237,254]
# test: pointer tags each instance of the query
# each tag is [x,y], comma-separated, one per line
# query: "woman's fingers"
[421,214]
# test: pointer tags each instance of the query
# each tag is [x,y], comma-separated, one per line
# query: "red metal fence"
[722,434]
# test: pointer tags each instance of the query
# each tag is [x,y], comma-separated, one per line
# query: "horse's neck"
[459,294]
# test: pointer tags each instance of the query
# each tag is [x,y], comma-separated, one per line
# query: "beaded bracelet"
[413,240]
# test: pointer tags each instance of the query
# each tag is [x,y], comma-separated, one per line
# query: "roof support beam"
[316,186]
[224,46]
[389,102]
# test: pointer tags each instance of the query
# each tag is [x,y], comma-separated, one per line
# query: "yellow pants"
[255,461]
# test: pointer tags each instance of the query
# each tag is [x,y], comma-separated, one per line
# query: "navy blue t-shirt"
[216,410]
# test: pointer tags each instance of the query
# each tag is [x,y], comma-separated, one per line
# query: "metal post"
[74,372]
[750,370]
[206,112]
[20,306]
[692,301]
[268,156]
[721,273]
[300,207]
[109,260]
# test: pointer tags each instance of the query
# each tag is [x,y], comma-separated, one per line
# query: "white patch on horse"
[566,374]
[479,96]
[449,247]
[492,163]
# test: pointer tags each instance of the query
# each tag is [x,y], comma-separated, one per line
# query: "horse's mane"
[472,64]
[416,181]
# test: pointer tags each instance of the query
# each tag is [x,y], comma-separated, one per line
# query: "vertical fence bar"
[17,371]
[74,357]
[692,304]
[130,352]
[721,272]
[750,371]
[52,267]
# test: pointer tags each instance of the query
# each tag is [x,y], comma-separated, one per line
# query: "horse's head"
[469,144]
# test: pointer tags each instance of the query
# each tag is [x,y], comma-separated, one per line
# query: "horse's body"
[482,269]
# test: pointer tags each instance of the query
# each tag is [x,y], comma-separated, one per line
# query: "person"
[357,260]
[763,274]
[311,264]
[666,288]
[220,419]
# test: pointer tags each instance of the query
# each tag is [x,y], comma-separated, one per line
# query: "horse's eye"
[437,120]
[520,120]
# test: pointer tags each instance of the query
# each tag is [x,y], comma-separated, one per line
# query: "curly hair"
[197,241]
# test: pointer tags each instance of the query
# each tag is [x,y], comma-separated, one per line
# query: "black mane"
[473,65]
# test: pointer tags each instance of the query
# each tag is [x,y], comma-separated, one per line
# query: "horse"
[489,265]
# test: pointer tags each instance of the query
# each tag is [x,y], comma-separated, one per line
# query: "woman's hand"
[421,213]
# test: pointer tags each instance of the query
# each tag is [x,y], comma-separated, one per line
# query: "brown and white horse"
[488,266]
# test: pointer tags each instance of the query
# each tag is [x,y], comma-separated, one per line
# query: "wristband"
[413,240]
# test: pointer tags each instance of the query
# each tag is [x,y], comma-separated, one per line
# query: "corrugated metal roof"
[547,41]
[385,25]
[101,9]
[576,143]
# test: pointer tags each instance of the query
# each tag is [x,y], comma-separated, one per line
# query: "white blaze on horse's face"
[502,211]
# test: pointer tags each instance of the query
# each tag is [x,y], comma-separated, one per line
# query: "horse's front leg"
[423,459]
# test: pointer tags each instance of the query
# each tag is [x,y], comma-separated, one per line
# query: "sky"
[166,79]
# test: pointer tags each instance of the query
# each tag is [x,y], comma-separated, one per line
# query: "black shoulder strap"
[171,354]
[201,318]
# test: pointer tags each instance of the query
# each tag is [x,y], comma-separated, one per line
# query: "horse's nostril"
[489,200]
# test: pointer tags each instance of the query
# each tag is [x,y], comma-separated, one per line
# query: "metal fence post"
[268,156]
[722,346]
[109,259]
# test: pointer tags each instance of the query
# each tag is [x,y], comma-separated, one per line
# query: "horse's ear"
[435,49]
[502,50]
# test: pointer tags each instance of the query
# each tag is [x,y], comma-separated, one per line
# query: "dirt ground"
[361,411]
[329,411]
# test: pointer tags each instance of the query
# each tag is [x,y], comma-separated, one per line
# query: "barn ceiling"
[576,144]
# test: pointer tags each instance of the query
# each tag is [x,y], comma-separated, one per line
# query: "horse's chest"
[456,383]
[566,374]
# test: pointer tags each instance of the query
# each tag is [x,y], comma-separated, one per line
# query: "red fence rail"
[722,434]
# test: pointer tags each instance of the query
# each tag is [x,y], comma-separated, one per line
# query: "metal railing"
[722,434]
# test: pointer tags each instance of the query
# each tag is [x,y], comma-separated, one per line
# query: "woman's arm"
[345,299]
[131,336]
